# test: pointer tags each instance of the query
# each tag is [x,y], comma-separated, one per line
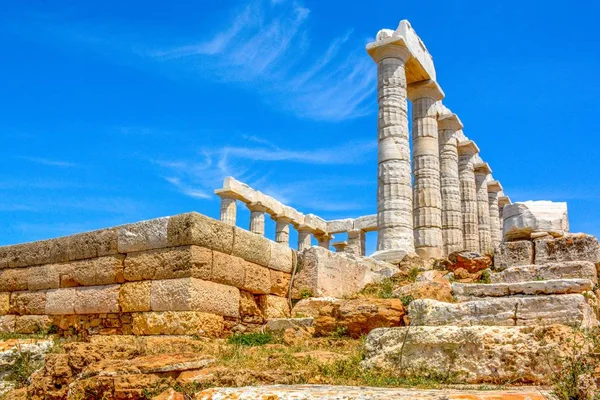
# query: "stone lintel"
[494,186]
[467,147]
[427,88]
[449,122]
[316,223]
[367,223]
[340,225]
[482,168]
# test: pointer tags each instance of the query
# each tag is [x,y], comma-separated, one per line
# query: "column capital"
[449,122]
[227,194]
[281,218]
[304,228]
[467,147]
[389,48]
[257,206]
[494,187]
[504,200]
[427,88]
[482,168]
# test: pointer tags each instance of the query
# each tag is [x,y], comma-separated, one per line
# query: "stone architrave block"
[523,219]
[28,303]
[576,247]
[4,303]
[92,272]
[28,324]
[367,223]
[251,247]
[228,269]
[257,279]
[174,262]
[340,225]
[281,257]
[197,229]
[274,306]
[550,271]
[178,323]
[37,253]
[144,235]
[566,309]
[510,254]
[135,296]
[13,279]
[190,294]
[93,244]
[44,277]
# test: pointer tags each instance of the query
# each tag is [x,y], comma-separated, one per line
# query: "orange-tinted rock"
[470,261]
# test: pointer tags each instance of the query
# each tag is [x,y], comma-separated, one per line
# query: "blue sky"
[113,112]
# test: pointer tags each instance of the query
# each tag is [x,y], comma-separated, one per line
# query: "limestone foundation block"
[274,306]
[470,291]
[83,300]
[251,247]
[510,254]
[26,303]
[92,272]
[144,235]
[282,257]
[197,229]
[44,277]
[476,354]
[577,247]
[4,303]
[175,262]
[12,279]
[37,253]
[228,270]
[566,309]
[280,283]
[523,219]
[93,244]
[135,296]
[311,306]
[190,294]
[7,323]
[250,311]
[257,279]
[28,324]
[564,270]
[178,323]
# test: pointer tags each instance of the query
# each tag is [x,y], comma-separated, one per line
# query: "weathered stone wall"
[186,274]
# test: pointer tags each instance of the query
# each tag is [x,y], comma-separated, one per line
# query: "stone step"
[476,354]
[550,271]
[566,309]
[471,291]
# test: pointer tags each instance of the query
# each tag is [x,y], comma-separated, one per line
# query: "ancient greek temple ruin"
[445,200]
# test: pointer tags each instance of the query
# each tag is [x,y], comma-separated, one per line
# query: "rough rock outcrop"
[510,254]
[470,261]
[469,291]
[563,270]
[523,219]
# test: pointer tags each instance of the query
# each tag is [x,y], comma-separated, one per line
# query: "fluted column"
[482,173]
[356,242]
[257,218]
[228,208]
[468,193]
[394,189]
[494,189]
[427,197]
[282,230]
[304,240]
[452,221]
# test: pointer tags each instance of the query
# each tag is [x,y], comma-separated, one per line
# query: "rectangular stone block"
[38,253]
[190,294]
[197,229]
[510,254]
[93,244]
[565,270]
[44,277]
[61,301]
[7,323]
[258,279]
[280,283]
[28,303]
[13,279]
[28,324]
[169,263]
[471,291]
[274,306]
[4,303]
[579,247]
[251,247]
[83,300]
[282,257]
[228,269]
[92,272]
[135,296]
[144,235]
[178,323]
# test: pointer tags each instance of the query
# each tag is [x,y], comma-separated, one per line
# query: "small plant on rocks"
[251,339]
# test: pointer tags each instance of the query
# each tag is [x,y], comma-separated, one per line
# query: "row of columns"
[452,205]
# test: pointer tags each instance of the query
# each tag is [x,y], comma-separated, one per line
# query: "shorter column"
[228,207]
[502,201]
[482,175]
[282,229]
[257,218]
[356,242]
[324,240]
[340,247]
[467,150]
[494,189]
[304,241]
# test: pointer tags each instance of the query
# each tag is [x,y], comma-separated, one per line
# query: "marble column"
[282,229]
[324,240]
[257,218]
[427,197]
[494,189]
[452,222]
[467,150]
[356,242]
[394,188]
[304,239]
[502,201]
[228,207]
[482,174]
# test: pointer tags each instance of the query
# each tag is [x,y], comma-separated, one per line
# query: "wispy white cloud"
[49,162]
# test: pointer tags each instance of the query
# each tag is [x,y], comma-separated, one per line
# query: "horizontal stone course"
[573,247]
[550,271]
[83,300]
[468,291]
[178,323]
[169,263]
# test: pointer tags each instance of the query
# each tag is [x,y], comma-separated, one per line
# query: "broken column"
[394,192]
[282,229]
[257,218]
[304,240]
[482,175]
[452,225]
[427,198]
[356,242]
[467,150]
[494,189]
